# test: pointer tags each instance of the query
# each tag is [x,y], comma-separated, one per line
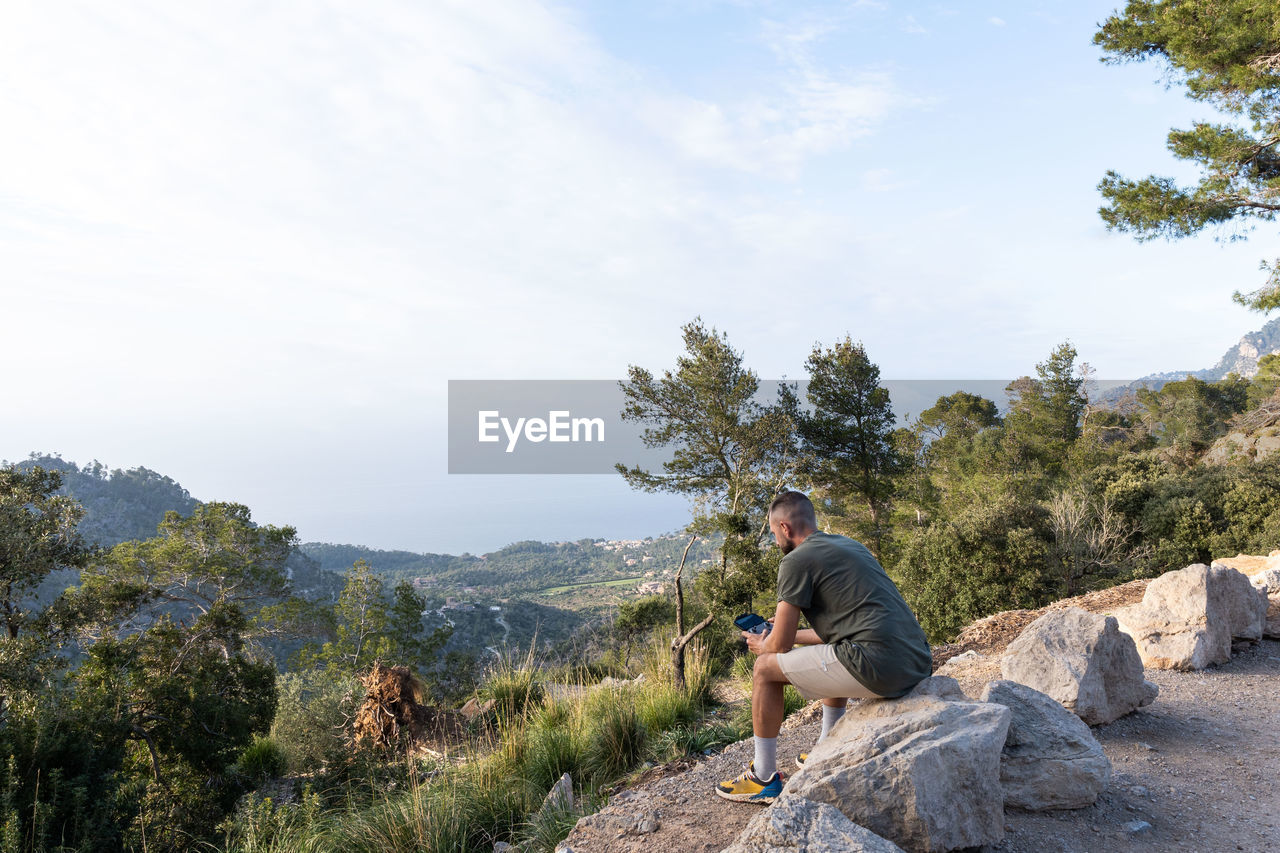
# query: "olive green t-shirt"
[853,605]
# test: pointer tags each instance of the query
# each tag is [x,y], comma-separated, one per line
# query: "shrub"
[263,759]
[615,742]
[696,739]
[545,829]
[663,706]
[514,687]
[743,668]
[308,726]
[552,752]
[990,557]
[261,825]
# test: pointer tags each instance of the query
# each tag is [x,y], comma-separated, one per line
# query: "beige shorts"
[818,674]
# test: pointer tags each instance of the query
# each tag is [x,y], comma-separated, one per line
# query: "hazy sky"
[248,244]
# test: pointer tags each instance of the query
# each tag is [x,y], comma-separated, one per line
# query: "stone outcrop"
[794,824]
[1188,618]
[1051,759]
[560,797]
[922,771]
[1271,630]
[1236,445]
[1268,579]
[1082,661]
[1264,574]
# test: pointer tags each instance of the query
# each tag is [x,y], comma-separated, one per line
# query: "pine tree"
[848,436]
[1227,54]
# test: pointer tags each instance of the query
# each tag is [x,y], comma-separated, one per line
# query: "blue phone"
[753,623]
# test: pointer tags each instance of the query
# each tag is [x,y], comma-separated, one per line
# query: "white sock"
[766,762]
[829,717]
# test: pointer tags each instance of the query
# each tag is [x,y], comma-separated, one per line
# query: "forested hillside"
[118,505]
[522,567]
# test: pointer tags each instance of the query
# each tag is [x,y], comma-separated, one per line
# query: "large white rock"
[794,824]
[1272,629]
[1082,661]
[922,771]
[1051,759]
[1268,579]
[1187,618]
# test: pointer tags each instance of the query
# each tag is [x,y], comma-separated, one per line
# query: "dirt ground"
[1198,767]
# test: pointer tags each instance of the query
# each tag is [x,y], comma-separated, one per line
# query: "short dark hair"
[795,508]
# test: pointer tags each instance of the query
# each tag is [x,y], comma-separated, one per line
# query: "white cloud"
[884,180]
[807,110]
[996,22]
[352,205]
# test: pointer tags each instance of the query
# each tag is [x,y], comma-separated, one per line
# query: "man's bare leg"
[767,682]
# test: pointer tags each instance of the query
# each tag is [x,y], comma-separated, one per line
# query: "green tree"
[730,454]
[361,622]
[957,452]
[639,617]
[187,700]
[176,684]
[1044,419]
[214,558]
[411,641]
[363,627]
[37,536]
[955,419]
[991,556]
[1227,54]
[1188,415]
[1265,382]
[848,436]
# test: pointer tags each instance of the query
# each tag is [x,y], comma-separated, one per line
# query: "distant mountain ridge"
[124,505]
[1241,359]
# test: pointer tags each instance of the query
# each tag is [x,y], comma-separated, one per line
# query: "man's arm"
[808,637]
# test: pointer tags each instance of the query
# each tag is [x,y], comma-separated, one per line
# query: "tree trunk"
[682,638]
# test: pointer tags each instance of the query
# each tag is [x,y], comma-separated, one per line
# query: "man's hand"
[755,642]
[783,635]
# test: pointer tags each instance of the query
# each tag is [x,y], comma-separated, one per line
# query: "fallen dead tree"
[393,714]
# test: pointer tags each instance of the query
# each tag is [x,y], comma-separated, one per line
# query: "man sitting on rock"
[865,642]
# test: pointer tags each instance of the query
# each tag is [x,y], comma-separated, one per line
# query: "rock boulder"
[1268,579]
[1051,759]
[794,824]
[922,770]
[1188,617]
[1082,661]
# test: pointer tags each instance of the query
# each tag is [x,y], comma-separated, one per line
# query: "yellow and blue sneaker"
[747,788]
[801,759]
